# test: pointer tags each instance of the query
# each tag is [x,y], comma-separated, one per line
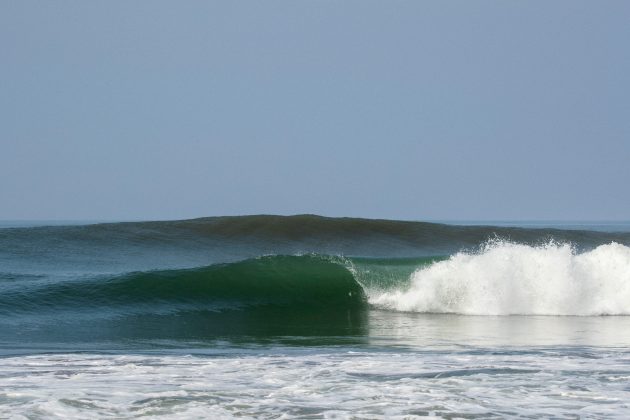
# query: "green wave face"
[282,281]
[268,296]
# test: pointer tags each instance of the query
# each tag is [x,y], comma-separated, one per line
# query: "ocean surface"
[313,317]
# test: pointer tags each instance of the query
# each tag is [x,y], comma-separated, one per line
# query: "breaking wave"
[505,278]
[306,281]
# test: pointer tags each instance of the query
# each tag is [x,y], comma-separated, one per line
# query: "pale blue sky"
[394,109]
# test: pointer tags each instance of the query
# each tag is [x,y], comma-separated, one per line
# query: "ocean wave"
[499,278]
[281,281]
[238,237]
[506,278]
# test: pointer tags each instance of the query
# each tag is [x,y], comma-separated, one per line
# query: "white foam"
[505,278]
[335,384]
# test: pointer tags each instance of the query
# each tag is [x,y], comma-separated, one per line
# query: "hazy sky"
[396,109]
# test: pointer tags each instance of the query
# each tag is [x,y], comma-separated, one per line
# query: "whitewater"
[506,278]
[312,317]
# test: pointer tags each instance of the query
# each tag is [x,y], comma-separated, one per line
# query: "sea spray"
[505,278]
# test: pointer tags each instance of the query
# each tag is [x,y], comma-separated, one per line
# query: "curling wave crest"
[505,278]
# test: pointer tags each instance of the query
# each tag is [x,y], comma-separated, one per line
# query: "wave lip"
[506,278]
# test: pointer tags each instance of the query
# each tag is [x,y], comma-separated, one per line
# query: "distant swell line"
[253,235]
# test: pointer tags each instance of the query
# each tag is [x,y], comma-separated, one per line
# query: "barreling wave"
[307,281]
[505,278]
[269,296]
[499,278]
